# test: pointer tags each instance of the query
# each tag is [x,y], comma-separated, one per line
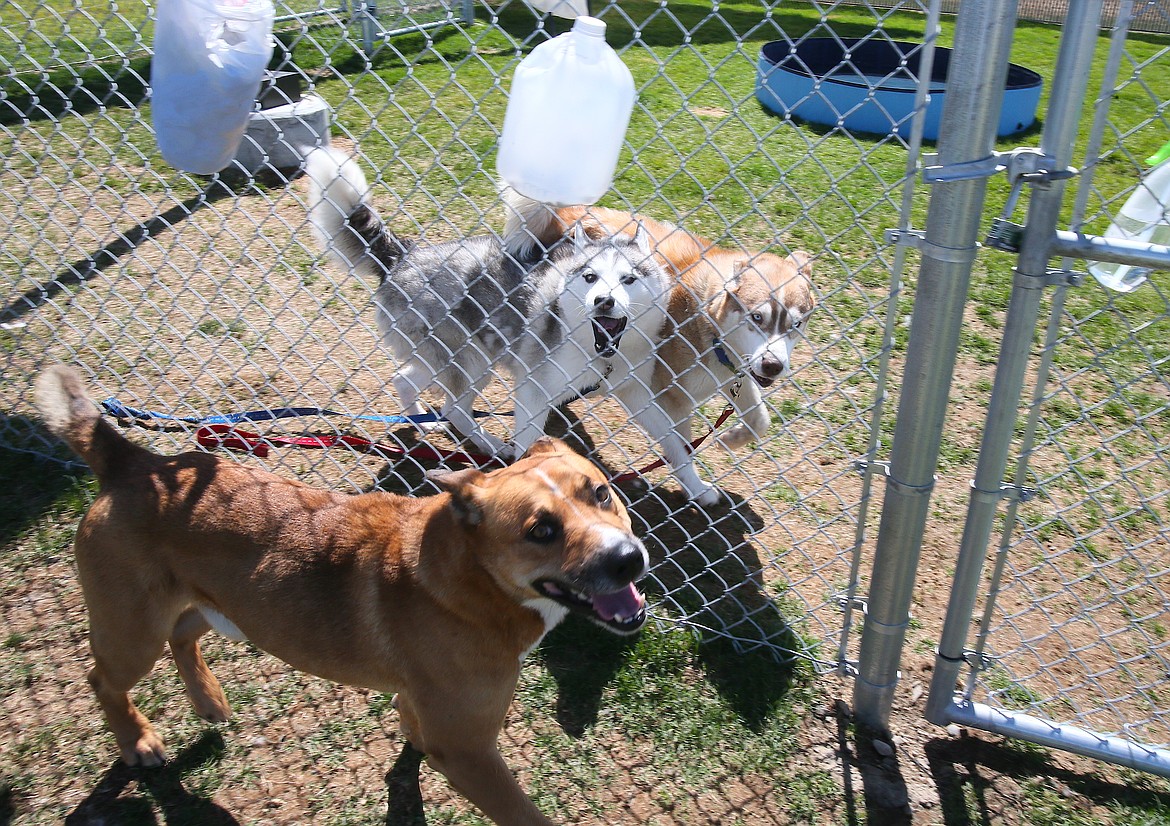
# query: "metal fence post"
[1069,86]
[979,63]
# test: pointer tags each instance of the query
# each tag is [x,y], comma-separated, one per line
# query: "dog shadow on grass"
[30,485]
[160,787]
[405,803]
[704,567]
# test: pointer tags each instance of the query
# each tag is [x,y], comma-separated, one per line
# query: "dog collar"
[721,355]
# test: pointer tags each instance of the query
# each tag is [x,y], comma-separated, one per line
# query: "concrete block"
[278,137]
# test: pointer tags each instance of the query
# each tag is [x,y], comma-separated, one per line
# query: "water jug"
[209,59]
[1144,217]
[567,114]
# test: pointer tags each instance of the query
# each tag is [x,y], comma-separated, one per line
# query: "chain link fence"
[193,296]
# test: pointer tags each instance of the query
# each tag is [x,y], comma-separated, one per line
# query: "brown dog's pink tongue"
[623,603]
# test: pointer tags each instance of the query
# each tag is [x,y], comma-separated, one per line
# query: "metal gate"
[1063,642]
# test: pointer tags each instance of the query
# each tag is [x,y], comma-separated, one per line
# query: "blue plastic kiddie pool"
[869,85]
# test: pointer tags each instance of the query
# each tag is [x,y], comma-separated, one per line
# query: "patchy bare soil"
[229,310]
[300,750]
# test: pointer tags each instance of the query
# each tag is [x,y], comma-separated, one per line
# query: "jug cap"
[589,25]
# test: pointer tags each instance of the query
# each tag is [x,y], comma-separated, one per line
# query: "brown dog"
[437,598]
[733,321]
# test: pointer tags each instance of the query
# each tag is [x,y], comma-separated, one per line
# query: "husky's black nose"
[603,303]
[771,367]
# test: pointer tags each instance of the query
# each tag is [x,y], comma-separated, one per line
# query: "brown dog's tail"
[70,414]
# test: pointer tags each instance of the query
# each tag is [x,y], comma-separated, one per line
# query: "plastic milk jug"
[1144,217]
[568,111]
[209,59]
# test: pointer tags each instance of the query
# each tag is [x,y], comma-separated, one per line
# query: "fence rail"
[1139,16]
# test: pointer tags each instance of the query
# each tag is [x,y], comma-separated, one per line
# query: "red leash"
[232,438]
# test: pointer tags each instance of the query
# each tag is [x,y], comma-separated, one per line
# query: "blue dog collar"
[721,355]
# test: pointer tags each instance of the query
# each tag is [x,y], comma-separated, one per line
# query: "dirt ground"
[208,333]
[301,751]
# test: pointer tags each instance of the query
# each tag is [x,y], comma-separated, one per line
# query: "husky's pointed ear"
[724,300]
[802,261]
[464,487]
[642,237]
[719,303]
[580,237]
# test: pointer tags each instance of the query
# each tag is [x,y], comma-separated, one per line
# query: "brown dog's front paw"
[214,714]
[148,751]
[211,706]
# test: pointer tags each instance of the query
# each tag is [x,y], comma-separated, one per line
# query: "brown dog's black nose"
[624,564]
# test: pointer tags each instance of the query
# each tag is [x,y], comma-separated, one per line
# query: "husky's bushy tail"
[70,414]
[529,226]
[347,228]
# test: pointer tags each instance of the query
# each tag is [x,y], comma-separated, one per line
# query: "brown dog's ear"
[463,485]
[545,444]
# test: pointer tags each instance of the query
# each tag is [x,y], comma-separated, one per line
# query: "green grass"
[425,110]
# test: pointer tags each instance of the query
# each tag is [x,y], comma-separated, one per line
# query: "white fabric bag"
[209,60]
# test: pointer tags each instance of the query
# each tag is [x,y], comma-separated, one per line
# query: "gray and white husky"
[574,321]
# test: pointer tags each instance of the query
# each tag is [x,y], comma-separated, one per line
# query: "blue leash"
[121,411]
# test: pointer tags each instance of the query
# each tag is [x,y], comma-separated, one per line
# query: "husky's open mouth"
[763,381]
[622,612]
[607,334]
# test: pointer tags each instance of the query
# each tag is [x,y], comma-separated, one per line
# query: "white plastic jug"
[570,104]
[209,60]
[1144,217]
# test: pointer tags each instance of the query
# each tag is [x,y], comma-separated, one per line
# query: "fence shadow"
[86,268]
[964,770]
[118,83]
[883,793]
